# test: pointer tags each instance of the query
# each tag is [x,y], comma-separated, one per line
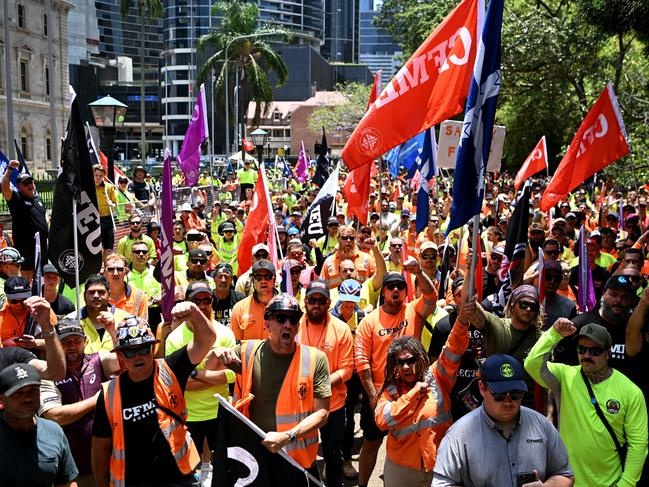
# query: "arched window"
[48,146]
[26,142]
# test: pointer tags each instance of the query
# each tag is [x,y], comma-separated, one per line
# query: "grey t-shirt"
[474,452]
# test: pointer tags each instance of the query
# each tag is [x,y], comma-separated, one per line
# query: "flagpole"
[474,260]
[76,253]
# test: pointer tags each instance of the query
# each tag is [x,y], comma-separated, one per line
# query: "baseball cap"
[263,264]
[197,287]
[317,286]
[228,227]
[10,255]
[69,327]
[405,212]
[427,245]
[350,291]
[596,333]
[50,269]
[24,177]
[186,207]
[393,277]
[17,376]
[503,373]
[134,332]
[571,215]
[332,220]
[291,263]
[259,247]
[552,265]
[619,282]
[296,213]
[17,287]
[223,267]
[293,231]
[140,168]
[197,254]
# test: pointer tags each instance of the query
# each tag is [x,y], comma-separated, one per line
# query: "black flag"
[76,182]
[240,458]
[314,224]
[322,164]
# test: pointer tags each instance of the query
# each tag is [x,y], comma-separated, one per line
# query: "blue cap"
[293,231]
[350,291]
[503,373]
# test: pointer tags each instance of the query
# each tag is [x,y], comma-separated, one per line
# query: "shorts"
[371,431]
[201,430]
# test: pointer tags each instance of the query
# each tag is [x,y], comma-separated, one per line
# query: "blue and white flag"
[4,164]
[427,165]
[475,144]
[405,155]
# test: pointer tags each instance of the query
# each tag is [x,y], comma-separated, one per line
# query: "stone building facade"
[29,71]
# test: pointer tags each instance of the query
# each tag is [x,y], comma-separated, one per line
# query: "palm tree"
[146,10]
[252,57]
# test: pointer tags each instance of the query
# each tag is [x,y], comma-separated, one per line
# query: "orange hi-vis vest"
[172,415]
[295,401]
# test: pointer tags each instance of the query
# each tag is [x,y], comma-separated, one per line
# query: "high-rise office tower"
[341,31]
[377,48]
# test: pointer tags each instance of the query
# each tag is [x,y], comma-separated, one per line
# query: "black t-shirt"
[62,305]
[489,283]
[28,215]
[148,457]
[15,355]
[142,191]
[223,307]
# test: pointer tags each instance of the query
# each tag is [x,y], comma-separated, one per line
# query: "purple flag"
[190,155]
[302,165]
[167,256]
[586,292]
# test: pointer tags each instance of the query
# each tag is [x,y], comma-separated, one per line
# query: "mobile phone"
[525,478]
[25,338]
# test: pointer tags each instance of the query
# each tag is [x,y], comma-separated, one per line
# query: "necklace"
[308,335]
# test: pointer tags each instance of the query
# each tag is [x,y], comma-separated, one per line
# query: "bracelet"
[49,334]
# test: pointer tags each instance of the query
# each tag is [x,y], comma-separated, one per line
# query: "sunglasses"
[391,286]
[202,301]
[409,361]
[132,352]
[140,252]
[396,246]
[593,351]
[496,257]
[198,261]
[527,305]
[634,279]
[16,301]
[431,256]
[281,318]
[136,223]
[513,395]
[320,301]
[553,277]
[262,255]
[115,269]
[348,238]
[264,277]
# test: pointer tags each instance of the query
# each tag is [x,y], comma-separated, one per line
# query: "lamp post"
[109,114]
[259,138]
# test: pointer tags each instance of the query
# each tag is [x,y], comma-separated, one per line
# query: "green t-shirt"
[590,446]
[268,373]
[201,405]
[247,177]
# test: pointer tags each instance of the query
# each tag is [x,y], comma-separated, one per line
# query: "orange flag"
[600,140]
[357,192]
[431,87]
[535,162]
[256,226]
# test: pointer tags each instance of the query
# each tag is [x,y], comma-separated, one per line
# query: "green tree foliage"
[341,120]
[557,57]
[251,59]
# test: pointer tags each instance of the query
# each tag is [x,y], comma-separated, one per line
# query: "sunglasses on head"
[409,361]
[282,317]
[144,350]
[202,300]
[348,238]
[528,305]
[116,269]
[593,351]
[320,301]
[263,277]
[513,395]
[391,286]
[198,261]
[141,252]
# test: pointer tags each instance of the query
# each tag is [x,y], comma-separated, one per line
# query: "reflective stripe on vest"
[180,443]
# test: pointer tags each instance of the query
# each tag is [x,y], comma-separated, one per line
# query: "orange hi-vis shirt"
[365,268]
[334,339]
[416,427]
[247,321]
[134,301]
[378,329]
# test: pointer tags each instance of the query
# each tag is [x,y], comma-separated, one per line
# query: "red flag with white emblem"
[535,162]
[431,87]
[357,192]
[254,232]
[600,140]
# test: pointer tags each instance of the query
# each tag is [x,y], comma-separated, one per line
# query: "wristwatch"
[292,436]
[193,374]
[49,334]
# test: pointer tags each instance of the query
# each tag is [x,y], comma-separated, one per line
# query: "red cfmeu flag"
[357,192]
[600,140]
[256,226]
[535,162]
[430,88]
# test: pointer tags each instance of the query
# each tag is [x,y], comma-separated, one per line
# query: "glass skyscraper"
[377,48]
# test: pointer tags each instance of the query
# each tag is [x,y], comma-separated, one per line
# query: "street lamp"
[259,138]
[109,114]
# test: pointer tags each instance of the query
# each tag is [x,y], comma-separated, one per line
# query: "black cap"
[332,220]
[393,277]
[318,286]
[596,333]
[50,269]
[197,287]
[197,254]
[140,168]
[134,332]
[503,373]
[69,327]
[23,177]
[228,227]
[17,287]
[263,264]
[223,267]
[17,376]
[620,282]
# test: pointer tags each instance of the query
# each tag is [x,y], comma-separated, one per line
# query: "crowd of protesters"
[376,318]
